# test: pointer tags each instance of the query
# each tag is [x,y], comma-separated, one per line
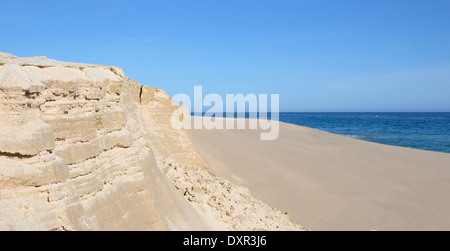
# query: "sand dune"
[83,147]
[330,182]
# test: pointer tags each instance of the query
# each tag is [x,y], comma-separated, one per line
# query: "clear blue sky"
[359,55]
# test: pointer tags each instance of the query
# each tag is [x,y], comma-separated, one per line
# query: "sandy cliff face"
[83,147]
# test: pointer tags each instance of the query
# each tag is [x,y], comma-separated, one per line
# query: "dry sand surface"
[330,182]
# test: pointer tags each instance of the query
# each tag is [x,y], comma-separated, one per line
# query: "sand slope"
[330,182]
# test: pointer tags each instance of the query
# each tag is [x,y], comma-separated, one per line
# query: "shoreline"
[352,136]
[362,140]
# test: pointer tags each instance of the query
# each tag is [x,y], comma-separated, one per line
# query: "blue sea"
[426,131]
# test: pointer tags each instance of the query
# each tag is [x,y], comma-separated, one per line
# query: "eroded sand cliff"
[83,147]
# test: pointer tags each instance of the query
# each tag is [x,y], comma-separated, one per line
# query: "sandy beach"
[331,182]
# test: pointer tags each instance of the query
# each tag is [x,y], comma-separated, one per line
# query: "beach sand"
[331,182]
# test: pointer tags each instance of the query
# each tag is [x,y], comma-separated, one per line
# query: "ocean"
[426,131]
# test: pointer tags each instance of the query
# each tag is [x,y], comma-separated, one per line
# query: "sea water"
[426,131]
